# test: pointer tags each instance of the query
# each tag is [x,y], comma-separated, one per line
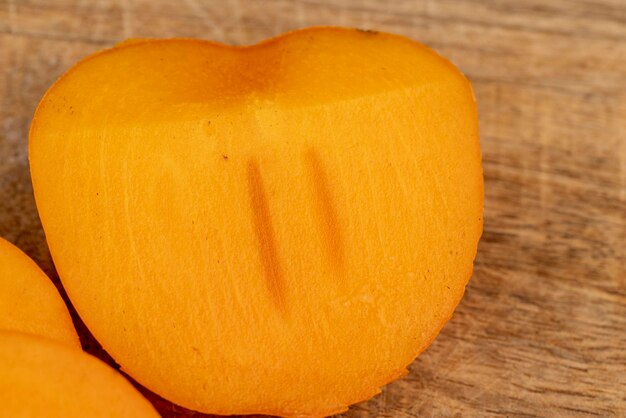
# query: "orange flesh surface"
[42,378]
[276,229]
[29,302]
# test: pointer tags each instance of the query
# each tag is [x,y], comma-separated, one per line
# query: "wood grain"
[541,331]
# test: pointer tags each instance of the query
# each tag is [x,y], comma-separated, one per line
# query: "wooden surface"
[541,331]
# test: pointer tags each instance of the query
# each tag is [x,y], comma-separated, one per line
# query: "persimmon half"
[42,378]
[29,302]
[280,228]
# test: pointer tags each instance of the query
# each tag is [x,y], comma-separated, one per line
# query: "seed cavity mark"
[265,235]
[329,224]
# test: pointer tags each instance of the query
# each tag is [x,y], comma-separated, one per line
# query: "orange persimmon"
[280,228]
[29,302]
[42,378]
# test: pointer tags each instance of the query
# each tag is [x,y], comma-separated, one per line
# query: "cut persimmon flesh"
[280,228]
[29,302]
[42,378]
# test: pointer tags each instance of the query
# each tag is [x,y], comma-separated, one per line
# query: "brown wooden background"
[541,331]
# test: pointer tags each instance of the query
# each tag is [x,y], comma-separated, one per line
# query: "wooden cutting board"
[541,331]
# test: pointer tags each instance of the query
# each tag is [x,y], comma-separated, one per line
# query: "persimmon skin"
[278,229]
[29,302]
[43,378]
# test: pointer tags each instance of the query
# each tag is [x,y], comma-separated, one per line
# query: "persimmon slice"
[43,378]
[280,228]
[29,302]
